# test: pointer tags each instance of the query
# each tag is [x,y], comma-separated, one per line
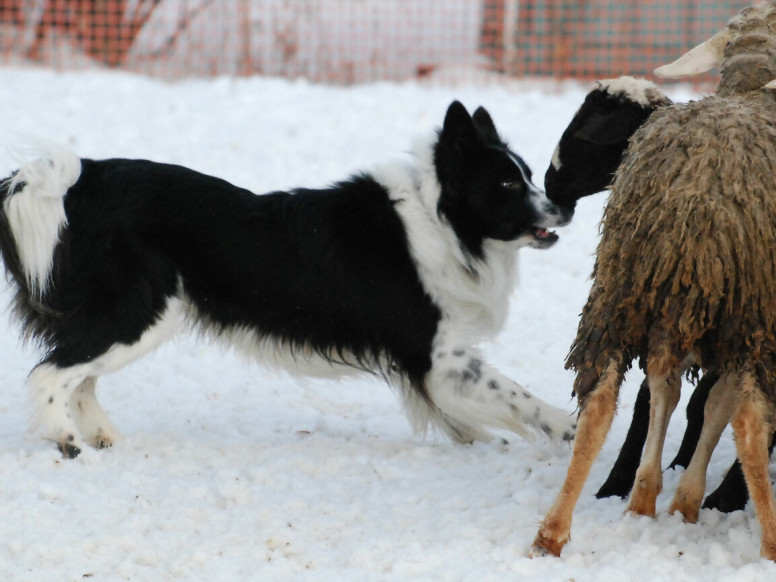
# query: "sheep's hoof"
[641,509]
[643,498]
[768,551]
[544,546]
[727,501]
[615,486]
[732,493]
[687,506]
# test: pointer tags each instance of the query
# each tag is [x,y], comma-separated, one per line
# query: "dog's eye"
[512,184]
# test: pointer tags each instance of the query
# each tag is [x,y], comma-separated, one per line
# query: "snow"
[228,472]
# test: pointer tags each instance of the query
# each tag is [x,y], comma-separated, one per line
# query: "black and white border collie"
[398,272]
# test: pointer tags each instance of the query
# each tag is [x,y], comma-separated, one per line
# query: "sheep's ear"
[700,59]
[609,129]
[771,85]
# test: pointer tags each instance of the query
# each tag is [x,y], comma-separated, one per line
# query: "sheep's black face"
[592,147]
[486,189]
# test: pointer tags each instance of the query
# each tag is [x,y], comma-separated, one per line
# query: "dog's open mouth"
[542,234]
[543,238]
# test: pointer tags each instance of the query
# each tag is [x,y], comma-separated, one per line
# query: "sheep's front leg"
[595,419]
[752,429]
[663,396]
[719,406]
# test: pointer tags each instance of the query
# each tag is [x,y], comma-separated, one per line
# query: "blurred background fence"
[350,41]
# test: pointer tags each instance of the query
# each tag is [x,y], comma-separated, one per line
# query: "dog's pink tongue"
[542,233]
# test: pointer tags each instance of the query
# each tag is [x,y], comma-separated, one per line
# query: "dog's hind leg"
[423,413]
[51,389]
[96,428]
[66,410]
[470,394]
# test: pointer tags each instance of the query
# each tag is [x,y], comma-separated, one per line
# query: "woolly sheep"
[685,274]
[585,159]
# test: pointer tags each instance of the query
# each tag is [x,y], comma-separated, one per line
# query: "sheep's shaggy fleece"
[687,259]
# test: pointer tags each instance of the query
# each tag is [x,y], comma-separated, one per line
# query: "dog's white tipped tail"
[34,206]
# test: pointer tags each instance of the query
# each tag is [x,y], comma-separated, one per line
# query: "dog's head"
[486,189]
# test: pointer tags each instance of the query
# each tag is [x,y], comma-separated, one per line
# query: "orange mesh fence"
[346,41]
[594,38]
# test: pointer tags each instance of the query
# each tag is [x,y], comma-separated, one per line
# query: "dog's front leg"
[470,393]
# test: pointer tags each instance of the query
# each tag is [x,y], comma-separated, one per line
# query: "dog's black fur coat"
[223,242]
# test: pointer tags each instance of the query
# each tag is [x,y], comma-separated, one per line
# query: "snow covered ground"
[227,472]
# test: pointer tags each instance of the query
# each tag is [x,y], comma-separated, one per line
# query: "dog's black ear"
[610,128]
[458,143]
[459,135]
[484,123]
[458,124]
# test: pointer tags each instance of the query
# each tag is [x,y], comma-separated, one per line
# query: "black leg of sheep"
[620,480]
[732,495]
[694,421]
